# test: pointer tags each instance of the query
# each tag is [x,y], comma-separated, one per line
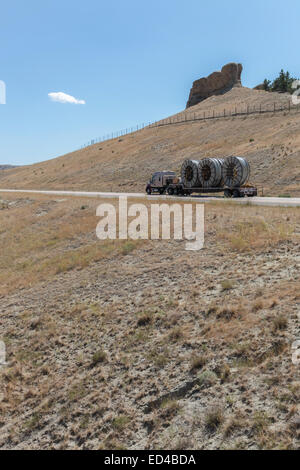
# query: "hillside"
[271,142]
[6,167]
[143,345]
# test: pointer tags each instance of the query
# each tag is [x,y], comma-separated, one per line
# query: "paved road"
[258,201]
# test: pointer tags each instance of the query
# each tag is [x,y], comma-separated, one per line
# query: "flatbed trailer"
[166,182]
[179,190]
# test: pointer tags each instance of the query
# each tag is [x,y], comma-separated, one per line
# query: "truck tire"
[170,191]
[236,193]
[149,191]
[227,193]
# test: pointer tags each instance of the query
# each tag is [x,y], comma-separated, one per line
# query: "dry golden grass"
[270,142]
[256,233]
[43,239]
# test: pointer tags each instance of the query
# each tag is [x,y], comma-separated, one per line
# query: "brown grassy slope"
[152,347]
[43,238]
[270,142]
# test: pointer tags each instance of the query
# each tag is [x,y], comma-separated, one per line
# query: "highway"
[257,201]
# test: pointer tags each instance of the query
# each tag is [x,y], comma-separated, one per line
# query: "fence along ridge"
[193,117]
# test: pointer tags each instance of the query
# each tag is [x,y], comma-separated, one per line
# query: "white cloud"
[61,97]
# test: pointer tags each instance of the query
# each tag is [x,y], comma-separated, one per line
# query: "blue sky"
[130,61]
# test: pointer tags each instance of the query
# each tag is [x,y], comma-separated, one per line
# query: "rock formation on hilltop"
[217,83]
[260,87]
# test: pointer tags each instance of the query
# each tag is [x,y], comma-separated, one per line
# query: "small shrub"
[232,425]
[207,378]
[159,357]
[198,362]
[176,334]
[184,443]
[280,323]
[278,347]
[33,422]
[144,319]
[128,247]
[258,305]
[212,309]
[223,372]
[226,313]
[98,357]
[160,360]
[214,418]
[169,408]
[172,320]
[3,205]
[227,285]
[120,422]
[274,380]
[35,323]
[260,421]
[77,392]
[112,444]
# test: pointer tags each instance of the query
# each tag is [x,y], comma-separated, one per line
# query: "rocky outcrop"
[217,83]
[259,87]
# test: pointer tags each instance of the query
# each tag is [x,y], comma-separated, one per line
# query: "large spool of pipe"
[236,171]
[221,184]
[210,172]
[189,173]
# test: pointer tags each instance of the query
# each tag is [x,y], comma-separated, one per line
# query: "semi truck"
[196,176]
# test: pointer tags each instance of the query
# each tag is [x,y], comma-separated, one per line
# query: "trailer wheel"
[161,191]
[236,193]
[227,193]
[170,191]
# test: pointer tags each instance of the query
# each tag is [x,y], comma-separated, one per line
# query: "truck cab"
[160,181]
